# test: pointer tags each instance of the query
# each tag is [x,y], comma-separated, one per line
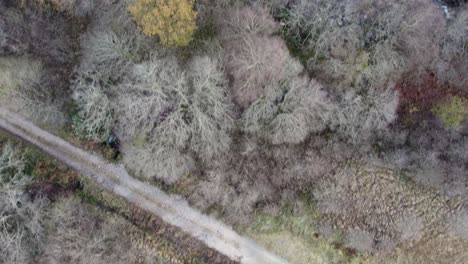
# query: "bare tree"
[113,15]
[21,220]
[253,56]
[291,109]
[253,61]
[278,103]
[174,112]
[356,117]
[110,52]
[14,30]
[37,32]
[147,96]
[453,58]
[336,35]
[237,22]
[211,108]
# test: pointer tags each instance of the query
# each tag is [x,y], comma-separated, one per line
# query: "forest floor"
[115,179]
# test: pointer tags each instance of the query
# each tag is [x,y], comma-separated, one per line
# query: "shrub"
[453,58]
[36,32]
[23,89]
[43,100]
[15,73]
[433,156]
[78,233]
[93,118]
[158,162]
[452,111]
[113,15]
[78,8]
[237,183]
[357,117]
[172,20]
[13,30]
[253,176]
[238,22]
[47,36]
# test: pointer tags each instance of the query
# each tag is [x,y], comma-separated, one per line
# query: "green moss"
[452,111]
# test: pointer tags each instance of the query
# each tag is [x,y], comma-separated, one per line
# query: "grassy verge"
[296,236]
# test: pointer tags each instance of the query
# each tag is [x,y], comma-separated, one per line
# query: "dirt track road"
[114,178]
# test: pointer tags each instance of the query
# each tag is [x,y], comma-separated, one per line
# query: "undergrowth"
[294,234]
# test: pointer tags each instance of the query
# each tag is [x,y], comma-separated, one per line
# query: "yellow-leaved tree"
[172,20]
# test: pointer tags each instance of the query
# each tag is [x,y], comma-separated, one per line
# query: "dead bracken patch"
[417,98]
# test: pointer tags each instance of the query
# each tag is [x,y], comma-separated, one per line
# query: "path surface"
[116,179]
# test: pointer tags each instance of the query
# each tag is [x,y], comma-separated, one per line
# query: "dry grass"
[21,81]
[78,233]
[16,72]
[378,201]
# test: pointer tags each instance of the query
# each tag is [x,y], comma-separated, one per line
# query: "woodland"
[329,131]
